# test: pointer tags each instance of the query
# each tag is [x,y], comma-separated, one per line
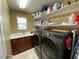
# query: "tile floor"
[30,54]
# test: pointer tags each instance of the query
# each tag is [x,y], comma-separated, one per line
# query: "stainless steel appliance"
[53,46]
[38,43]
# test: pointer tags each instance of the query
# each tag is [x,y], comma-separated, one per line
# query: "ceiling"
[32,6]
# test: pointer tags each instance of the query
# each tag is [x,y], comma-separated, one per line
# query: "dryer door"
[49,49]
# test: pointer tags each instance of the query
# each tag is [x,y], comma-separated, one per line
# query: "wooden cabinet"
[15,46]
[28,42]
[21,44]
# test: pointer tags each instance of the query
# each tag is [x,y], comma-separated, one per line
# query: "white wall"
[2,50]
[5,32]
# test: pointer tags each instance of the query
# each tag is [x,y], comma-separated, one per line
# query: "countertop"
[20,35]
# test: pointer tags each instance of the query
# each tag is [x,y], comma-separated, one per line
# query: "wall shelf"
[73,26]
[74,7]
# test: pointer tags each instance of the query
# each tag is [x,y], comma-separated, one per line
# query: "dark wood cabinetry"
[15,46]
[28,42]
[21,44]
[35,40]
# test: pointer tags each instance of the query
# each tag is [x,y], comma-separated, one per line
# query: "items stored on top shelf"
[49,10]
[74,7]
[56,6]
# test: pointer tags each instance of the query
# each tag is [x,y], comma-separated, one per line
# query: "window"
[22,23]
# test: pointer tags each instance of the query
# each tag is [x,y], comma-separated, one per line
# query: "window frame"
[20,24]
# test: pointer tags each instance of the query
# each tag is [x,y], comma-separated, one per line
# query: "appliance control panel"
[46,33]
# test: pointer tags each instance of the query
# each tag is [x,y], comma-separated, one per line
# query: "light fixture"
[23,3]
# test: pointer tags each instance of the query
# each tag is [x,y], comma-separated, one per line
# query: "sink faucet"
[23,32]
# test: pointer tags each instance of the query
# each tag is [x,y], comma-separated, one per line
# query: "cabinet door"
[15,46]
[21,43]
[28,43]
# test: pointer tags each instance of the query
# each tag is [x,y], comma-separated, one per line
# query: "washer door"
[49,49]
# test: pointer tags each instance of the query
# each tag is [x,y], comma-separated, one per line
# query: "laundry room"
[39,29]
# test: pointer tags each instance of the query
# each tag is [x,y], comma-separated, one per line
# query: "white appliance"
[3,53]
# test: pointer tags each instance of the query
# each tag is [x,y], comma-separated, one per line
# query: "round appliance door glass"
[49,49]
